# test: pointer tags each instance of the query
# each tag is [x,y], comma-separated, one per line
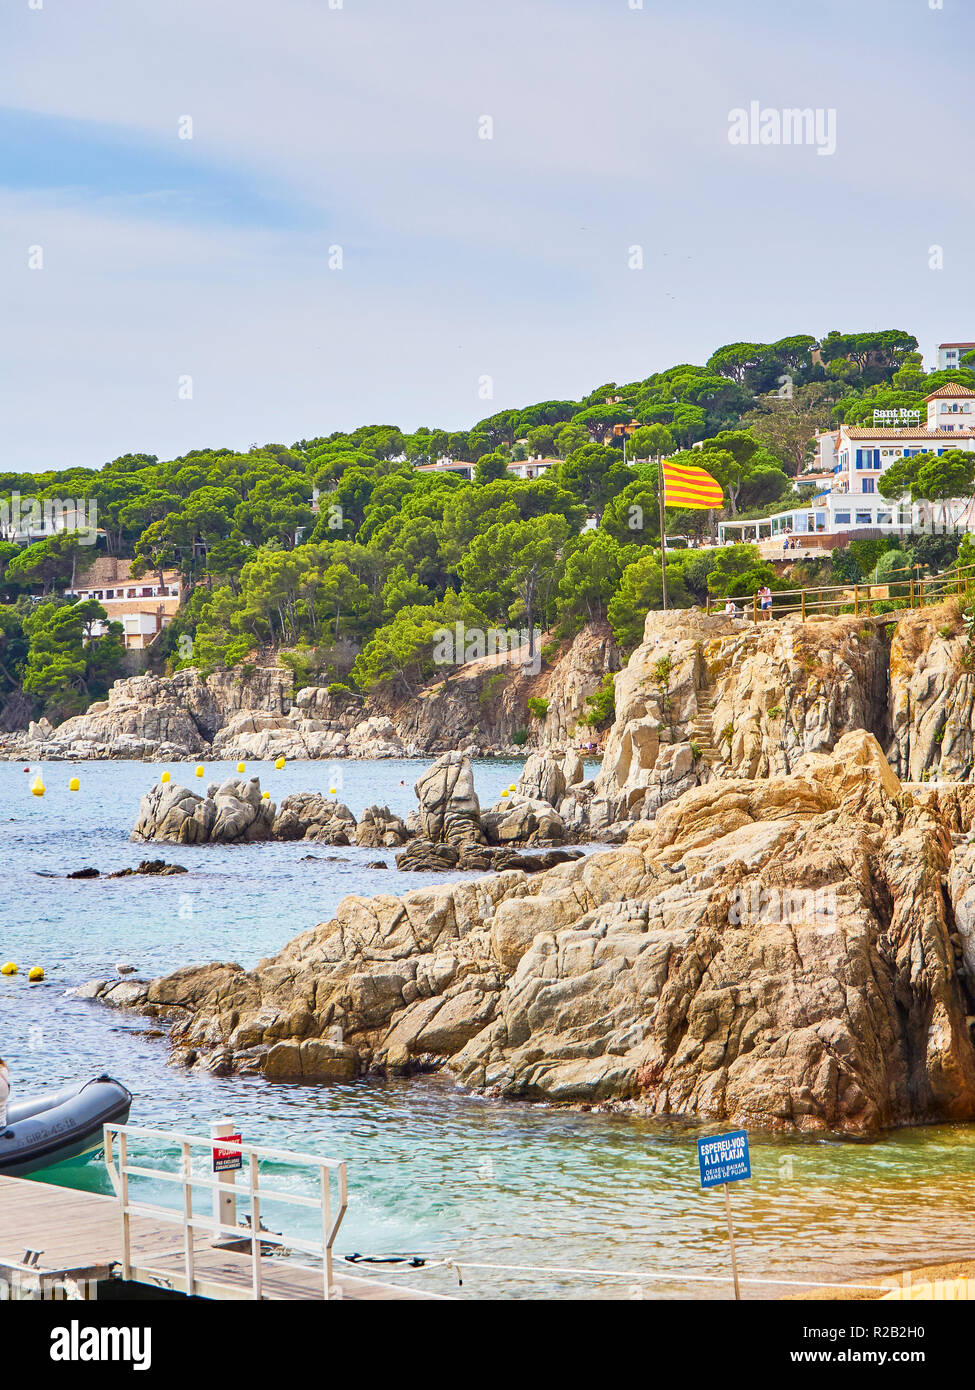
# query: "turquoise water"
[431,1170]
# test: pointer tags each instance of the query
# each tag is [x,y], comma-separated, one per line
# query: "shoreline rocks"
[448,830]
[776,952]
[252,713]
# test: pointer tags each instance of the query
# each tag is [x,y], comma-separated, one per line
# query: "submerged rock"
[158,867]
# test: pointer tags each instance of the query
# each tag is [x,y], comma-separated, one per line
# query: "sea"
[498,1199]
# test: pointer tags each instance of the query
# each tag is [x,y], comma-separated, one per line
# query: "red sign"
[225,1160]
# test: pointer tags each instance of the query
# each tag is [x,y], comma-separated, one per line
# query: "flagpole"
[663,531]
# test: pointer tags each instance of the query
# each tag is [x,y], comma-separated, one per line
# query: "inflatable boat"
[58,1125]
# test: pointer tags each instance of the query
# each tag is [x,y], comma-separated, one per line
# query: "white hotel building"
[854,457]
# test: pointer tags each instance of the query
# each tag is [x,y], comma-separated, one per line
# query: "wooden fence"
[911,591]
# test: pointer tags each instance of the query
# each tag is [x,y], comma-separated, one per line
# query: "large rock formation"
[230,812]
[932,696]
[715,696]
[311,816]
[165,717]
[449,812]
[775,952]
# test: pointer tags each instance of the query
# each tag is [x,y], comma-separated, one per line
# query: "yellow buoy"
[164,777]
[240,767]
[36,972]
[505,792]
[279,763]
[199,771]
[9,968]
[265,796]
[37,787]
[513,787]
[74,785]
[332,791]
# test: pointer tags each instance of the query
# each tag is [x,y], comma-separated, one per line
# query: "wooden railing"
[910,591]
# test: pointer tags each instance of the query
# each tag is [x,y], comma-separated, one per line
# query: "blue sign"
[724,1158]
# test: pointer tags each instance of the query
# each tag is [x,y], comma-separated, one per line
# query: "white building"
[143,606]
[950,354]
[855,456]
[529,469]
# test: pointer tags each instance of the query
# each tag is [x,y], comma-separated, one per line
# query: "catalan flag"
[690,487]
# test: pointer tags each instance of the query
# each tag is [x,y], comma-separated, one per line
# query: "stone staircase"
[702,728]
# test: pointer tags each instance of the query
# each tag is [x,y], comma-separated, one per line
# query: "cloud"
[463,257]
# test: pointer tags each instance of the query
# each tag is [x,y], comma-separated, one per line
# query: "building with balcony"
[853,458]
[143,606]
[951,354]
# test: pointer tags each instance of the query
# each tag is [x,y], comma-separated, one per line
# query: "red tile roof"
[954,388]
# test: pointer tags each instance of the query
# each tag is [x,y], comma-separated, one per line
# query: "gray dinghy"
[58,1125]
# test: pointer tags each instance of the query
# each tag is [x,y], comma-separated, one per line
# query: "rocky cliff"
[705,697]
[791,951]
[484,705]
[932,697]
[255,715]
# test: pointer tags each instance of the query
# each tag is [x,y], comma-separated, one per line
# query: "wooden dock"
[79,1237]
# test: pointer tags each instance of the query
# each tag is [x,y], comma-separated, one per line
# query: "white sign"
[897,417]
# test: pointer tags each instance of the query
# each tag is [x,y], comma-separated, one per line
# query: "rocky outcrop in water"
[776,952]
[231,812]
[310,816]
[449,811]
[444,832]
[153,868]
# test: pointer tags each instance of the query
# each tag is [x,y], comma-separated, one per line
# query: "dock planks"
[80,1235]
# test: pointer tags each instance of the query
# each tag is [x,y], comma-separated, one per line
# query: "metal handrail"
[120,1170]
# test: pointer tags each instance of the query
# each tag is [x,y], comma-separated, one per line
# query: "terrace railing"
[905,588]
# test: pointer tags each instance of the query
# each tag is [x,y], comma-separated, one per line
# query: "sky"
[230,222]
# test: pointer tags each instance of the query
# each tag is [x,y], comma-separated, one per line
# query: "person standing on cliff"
[765,602]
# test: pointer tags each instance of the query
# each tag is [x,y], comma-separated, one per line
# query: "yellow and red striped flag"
[690,487]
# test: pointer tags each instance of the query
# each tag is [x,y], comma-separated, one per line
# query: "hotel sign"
[897,417]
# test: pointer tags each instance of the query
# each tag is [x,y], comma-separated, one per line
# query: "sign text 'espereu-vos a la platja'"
[724,1158]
